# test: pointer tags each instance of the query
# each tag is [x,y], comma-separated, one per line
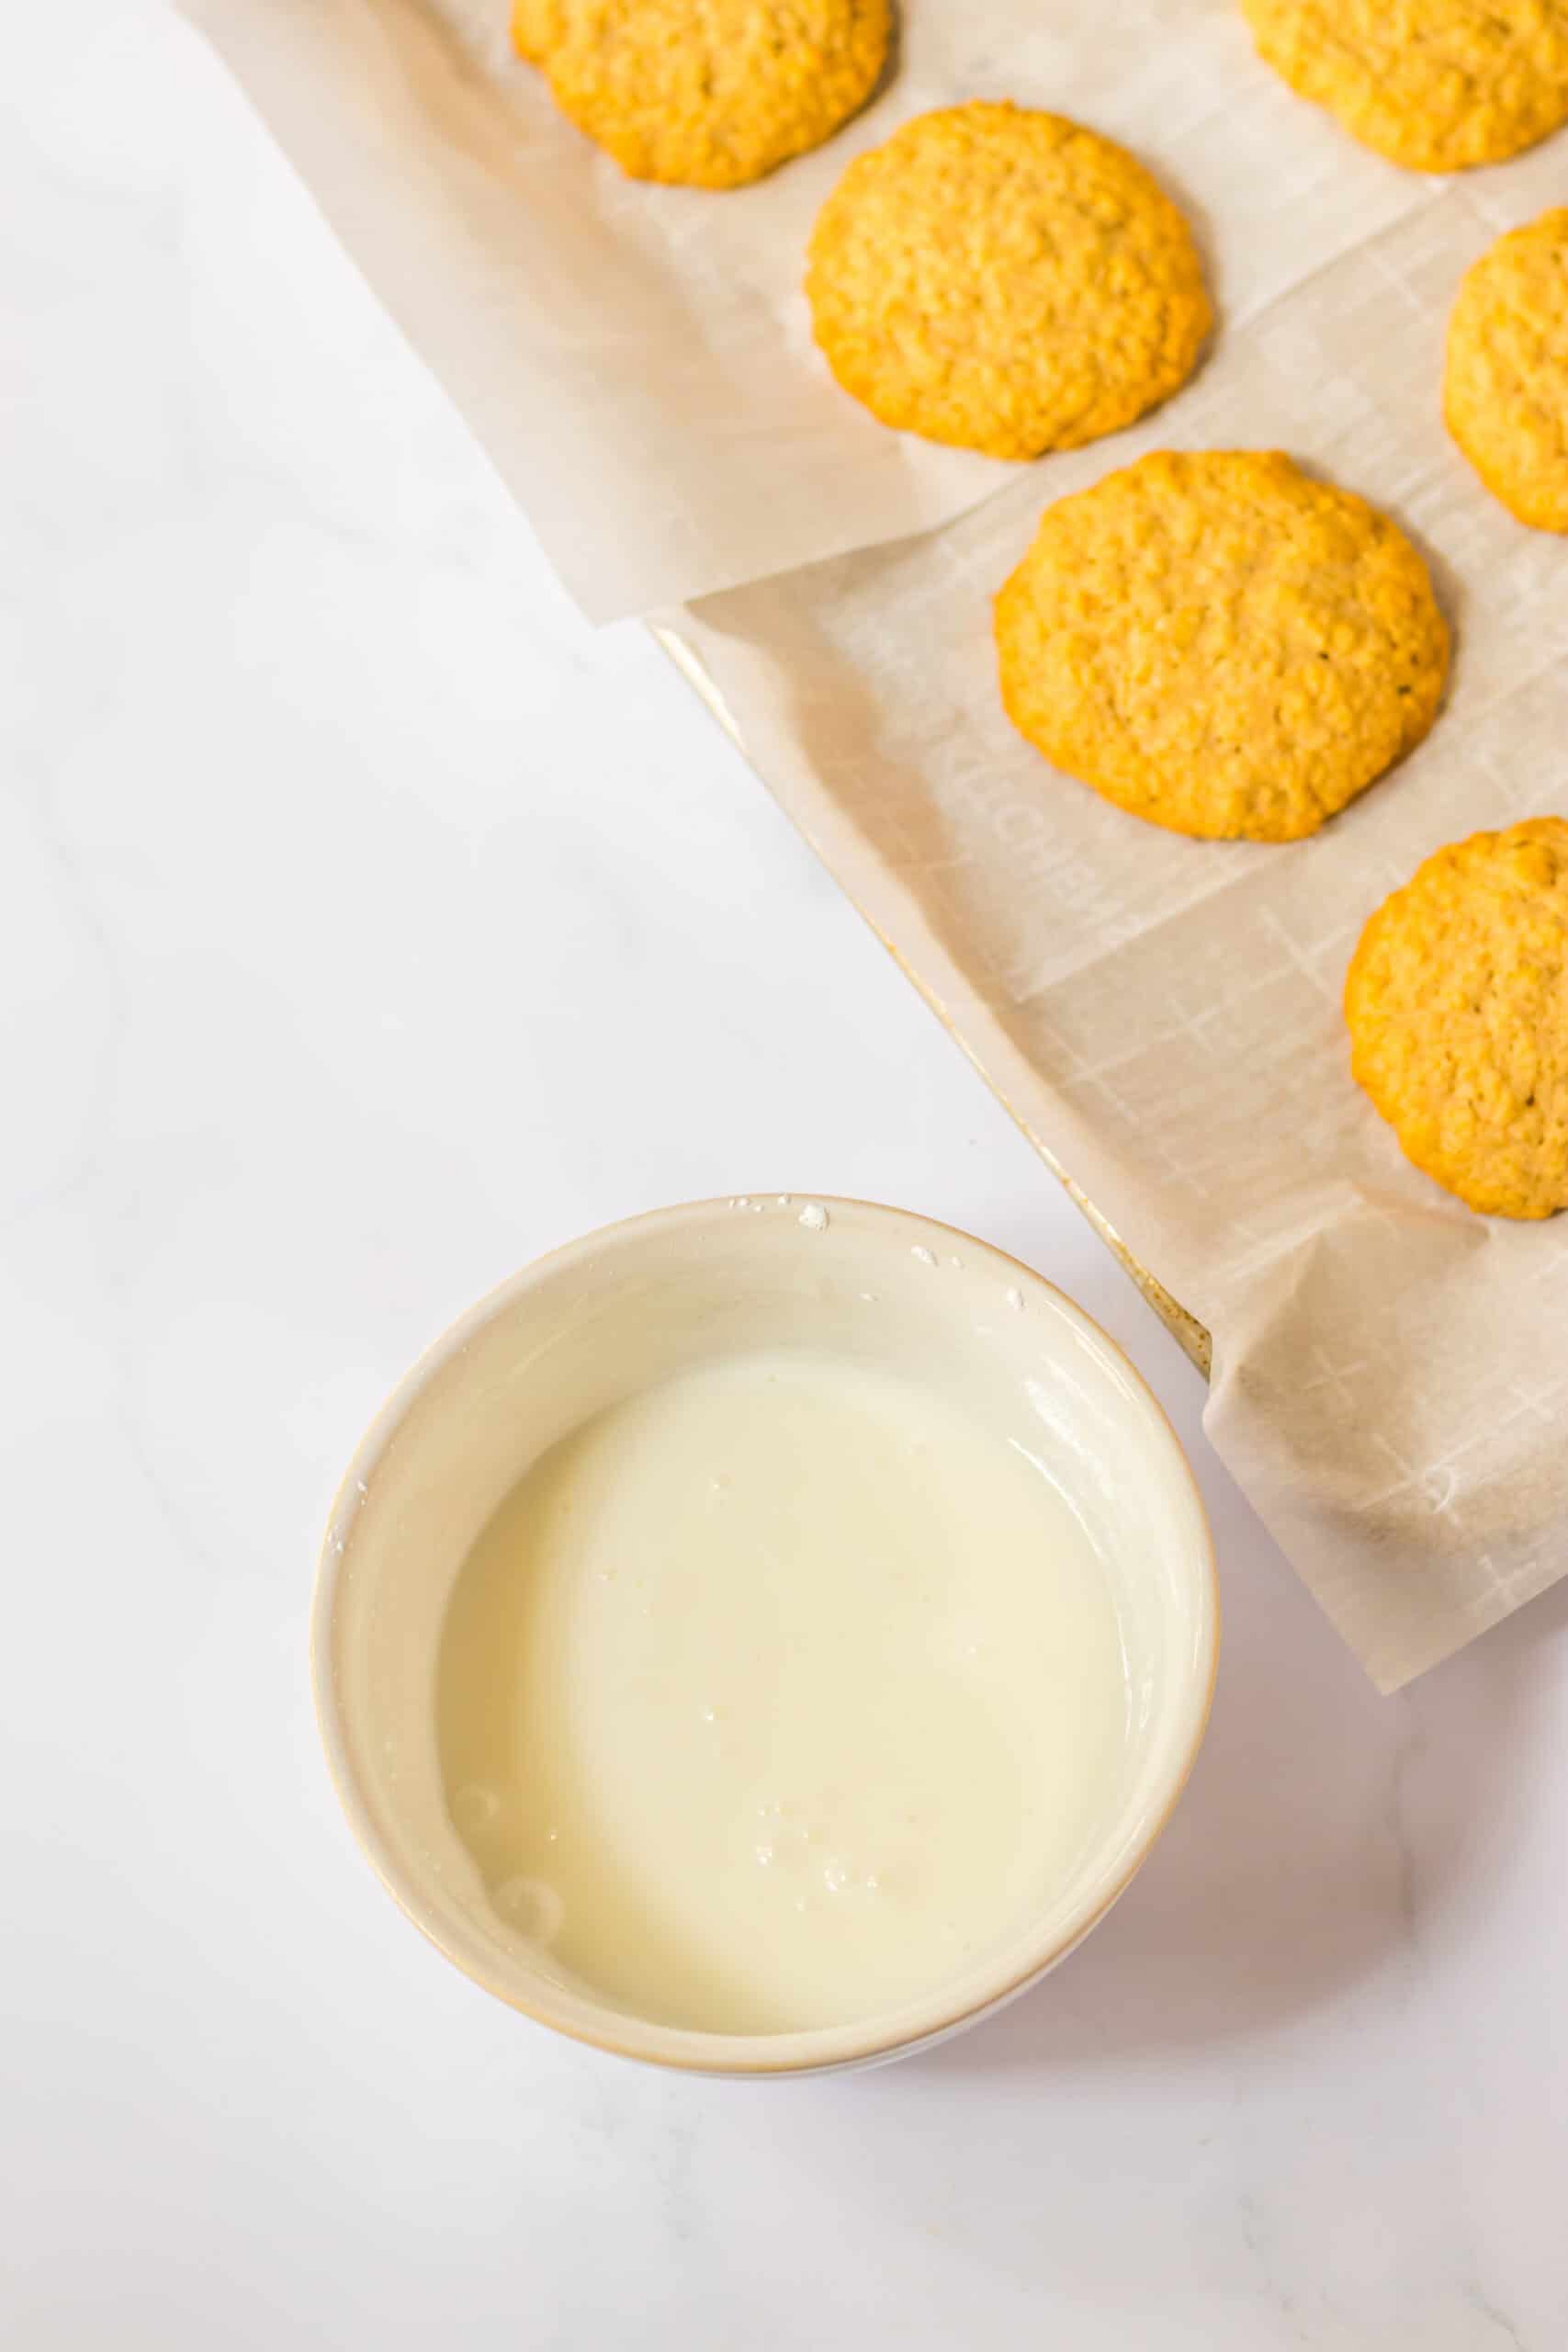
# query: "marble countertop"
[367,926]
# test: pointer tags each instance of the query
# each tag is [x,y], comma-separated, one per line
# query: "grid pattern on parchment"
[1391,1372]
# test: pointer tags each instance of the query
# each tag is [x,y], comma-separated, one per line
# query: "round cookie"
[1434,85]
[1457,1003]
[1505,381]
[706,96]
[1004,280]
[1220,644]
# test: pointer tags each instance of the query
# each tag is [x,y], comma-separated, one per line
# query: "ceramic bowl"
[608,1315]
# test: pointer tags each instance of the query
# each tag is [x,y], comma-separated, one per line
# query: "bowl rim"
[804,2051]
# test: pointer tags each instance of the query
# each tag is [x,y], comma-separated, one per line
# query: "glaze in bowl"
[607,1316]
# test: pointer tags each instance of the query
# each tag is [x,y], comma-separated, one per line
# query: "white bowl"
[608,1315]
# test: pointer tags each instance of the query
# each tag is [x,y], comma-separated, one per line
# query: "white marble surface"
[367,926]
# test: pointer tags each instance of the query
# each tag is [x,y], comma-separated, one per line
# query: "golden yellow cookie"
[1457,1001]
[1004,280]
[1435,85]
[705,92]
[535,25]
[1220,644]
[1505,383]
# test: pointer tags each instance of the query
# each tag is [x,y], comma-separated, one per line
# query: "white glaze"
[789,1590]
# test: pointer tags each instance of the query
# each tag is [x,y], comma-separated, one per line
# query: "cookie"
[1004,280]
[535,28]
[1434,85]
[1457,1003]
[1221,645]
[1506,383]
[712,95]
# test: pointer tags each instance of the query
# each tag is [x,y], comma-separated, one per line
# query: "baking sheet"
[638,361]
[1390,1373]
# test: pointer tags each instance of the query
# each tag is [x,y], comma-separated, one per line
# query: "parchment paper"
[639,362]
[1391,1372]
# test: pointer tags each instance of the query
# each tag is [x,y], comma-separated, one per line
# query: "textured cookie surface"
[1435,85]
[1220,644]
[706,92]
[1004,280]
[1457,1001]
[535,28]
[1506,383]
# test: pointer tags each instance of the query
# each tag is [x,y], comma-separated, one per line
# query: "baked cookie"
[1434,85]
[1457,1001]
[535,27]
[1004,280]
[1221,644]
[705,92]
[1506,383]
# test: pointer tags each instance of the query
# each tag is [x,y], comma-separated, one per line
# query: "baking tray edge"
[1184,1328]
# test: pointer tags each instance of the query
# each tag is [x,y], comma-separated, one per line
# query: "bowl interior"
[621,1310]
